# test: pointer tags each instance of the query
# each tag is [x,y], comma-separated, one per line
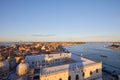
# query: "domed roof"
[22,68]
[4,64]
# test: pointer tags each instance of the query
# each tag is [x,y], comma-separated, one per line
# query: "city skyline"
[63,20]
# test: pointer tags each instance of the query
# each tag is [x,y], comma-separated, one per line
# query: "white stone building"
[63,66]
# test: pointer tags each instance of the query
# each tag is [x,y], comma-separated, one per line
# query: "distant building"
[12,62]
[4,67]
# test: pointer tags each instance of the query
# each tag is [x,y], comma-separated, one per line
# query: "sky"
[59,20]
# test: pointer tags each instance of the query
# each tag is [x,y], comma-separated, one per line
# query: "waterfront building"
[63,66]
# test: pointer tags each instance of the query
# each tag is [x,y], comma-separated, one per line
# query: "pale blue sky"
[60,20]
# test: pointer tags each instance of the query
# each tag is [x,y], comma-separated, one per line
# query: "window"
[90,72]
[77,77]
[83,74]
[96,70]
[36,77]
[69,78]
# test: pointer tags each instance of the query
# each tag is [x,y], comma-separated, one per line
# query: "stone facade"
[89,72]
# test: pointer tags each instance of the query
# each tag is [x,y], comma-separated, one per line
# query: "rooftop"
[69,66]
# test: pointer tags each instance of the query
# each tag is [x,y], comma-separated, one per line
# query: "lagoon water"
[97,52]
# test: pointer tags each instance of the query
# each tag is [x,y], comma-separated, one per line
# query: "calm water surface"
[93,51]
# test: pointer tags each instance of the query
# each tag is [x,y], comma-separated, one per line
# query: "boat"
[103,55]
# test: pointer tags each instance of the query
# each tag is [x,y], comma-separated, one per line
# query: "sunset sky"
[59,20]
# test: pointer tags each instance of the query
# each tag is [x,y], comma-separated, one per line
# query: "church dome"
[22,68]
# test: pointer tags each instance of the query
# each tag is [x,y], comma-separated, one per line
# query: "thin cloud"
[43,35]
[19,35]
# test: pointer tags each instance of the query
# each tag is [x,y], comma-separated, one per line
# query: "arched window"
[77,77]
[96,70]
[69,78]
[60,79]
[83,74]
[90,72]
